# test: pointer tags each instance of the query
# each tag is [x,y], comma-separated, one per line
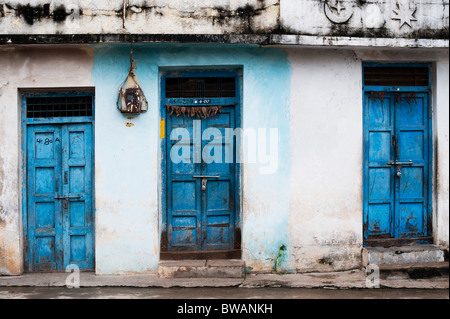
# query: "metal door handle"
[206,176]
[204,179]
[399,166]
[399,163]
[67,197]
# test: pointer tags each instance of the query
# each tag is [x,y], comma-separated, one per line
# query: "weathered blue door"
[200,169]
[59,196]
[397,148]
[200,190]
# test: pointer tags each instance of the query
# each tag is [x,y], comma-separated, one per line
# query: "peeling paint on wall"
[220,17]
[312,222]
[348,18]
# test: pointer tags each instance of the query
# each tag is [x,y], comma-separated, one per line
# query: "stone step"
[402,255]
[417,271]
[219,268]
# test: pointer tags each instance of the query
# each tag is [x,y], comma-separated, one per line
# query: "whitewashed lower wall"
[318,203]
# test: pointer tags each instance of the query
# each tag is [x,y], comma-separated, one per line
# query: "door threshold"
[201,255]
[390,242]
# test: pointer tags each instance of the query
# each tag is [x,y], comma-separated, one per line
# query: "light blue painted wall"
[127,159]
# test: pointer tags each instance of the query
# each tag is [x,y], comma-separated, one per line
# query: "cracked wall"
[132,16]
[356,18]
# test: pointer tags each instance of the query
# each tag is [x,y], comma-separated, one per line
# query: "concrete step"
[402,255]
[219,268]
[415,271]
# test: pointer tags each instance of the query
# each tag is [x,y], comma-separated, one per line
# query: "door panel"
[412,185]
[77,188]
[44,184]
[183,191]
[218,198]
[59,198]
[379,177]
[396,173]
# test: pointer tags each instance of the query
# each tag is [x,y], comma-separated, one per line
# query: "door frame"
[197,72]
[429,201]
[25,122]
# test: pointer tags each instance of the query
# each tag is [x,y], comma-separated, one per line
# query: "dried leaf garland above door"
[191,111]
[408,97]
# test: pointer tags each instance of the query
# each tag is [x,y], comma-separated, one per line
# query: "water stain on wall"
[30,14]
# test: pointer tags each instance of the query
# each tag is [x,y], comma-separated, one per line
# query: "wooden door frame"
[25,122]
[206,72]
[429,201]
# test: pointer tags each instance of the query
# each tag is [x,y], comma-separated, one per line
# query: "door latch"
[399,170]
[399,163]
[204,181]
[399,166]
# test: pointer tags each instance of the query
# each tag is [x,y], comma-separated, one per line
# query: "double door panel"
[59,197]
[201,185]
[396,173]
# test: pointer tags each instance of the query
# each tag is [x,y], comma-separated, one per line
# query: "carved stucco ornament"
[404,13]
[336,11]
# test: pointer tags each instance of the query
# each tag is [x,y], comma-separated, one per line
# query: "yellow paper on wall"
[162,129]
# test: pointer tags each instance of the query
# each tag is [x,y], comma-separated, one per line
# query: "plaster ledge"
[257,39]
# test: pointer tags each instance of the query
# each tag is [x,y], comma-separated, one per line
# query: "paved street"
[216,293]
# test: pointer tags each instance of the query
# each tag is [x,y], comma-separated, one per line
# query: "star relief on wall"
[405,14]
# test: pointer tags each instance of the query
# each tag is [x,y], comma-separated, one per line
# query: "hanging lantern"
[131,98]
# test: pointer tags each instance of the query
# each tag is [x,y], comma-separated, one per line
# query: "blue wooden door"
[397,148]
[201,190]
[59,197]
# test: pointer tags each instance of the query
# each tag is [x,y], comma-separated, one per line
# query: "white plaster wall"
[441,116]
[24,68]
[325,220]
[325,217]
